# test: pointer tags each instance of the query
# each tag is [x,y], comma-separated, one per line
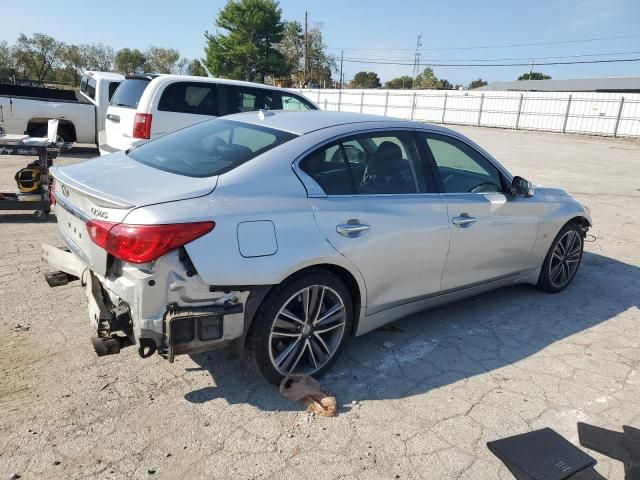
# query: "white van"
[148,106]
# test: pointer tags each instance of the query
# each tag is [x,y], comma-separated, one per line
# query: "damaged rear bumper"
[159,306]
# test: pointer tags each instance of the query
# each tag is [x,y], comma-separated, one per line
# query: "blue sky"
[385,26]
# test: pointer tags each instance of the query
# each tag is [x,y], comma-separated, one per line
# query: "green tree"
[321,65]
[427,79]
[292,47]
[477,84]
[74,61]
[247,47]
[365,80]
[444,84]
[36,56]
[195,68]
[534,76]
[161,60]
[129,61]
[403,82]
[98,57]
[6,60]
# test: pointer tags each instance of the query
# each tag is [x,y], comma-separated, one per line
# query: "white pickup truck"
[26,109]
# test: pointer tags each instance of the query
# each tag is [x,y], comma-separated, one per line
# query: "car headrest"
[385,159]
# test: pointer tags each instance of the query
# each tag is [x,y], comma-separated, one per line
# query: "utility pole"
[341,59]
[416,58]
[306,47]
[533,61]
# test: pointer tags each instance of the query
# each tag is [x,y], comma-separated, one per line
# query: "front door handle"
[464,221]
[352,228]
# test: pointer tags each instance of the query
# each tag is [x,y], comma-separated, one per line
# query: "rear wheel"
[562,260]
[301,327]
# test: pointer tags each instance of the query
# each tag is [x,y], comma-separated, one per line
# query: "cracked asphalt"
[419,400]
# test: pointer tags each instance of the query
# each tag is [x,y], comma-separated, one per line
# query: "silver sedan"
[285,233]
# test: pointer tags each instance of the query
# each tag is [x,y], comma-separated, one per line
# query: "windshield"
[129,92]
[209,148]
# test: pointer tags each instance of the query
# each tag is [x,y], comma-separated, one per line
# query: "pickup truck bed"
[27,109]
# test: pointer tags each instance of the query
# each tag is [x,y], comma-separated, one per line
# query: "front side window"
[462,169]
[293,103]
[198,98]
[243,99]
[369,164]
[208,148]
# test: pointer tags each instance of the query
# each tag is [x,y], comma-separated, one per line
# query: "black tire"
[549,276]
[258,343]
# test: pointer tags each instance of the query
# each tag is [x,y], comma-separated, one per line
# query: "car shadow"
[448,344]
[27,216]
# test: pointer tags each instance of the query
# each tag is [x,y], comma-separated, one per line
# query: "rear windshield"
[209,148]
[129,92]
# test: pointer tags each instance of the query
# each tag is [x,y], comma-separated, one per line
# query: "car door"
[378,211]
[492,232]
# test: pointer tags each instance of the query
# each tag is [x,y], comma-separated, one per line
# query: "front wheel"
[562,260]
[301,327]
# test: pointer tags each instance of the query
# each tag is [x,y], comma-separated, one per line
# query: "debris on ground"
[308,390]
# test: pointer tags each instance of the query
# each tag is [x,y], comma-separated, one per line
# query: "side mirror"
[520,186]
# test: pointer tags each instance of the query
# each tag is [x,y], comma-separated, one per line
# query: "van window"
[243,99]
[294,103]
[88,87]
[208,148]
[198,98]
[129,92]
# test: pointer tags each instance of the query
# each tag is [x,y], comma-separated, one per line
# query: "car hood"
[119,180]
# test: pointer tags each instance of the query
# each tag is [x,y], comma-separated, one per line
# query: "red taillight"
[142,126]
[144,243]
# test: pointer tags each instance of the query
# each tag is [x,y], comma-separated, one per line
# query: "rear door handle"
[352,228]
[113,118]
[464,220]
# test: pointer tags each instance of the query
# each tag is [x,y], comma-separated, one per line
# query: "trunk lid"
[108,188]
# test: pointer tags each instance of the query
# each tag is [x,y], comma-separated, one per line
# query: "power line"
[513,45]
[427,60]
[499,64]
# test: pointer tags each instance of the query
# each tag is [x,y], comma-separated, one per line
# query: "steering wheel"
[485,187]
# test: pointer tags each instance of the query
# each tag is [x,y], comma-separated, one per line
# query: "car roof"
[167,78]
[105,75]
[303,122]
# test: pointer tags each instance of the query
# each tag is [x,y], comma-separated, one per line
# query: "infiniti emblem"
[65,191]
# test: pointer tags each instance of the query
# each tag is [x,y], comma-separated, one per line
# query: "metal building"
[606,85]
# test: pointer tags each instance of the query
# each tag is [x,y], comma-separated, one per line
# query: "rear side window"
[294,103]
[113,86]
[129,92]
[243,99]
[198,98]
[368,164]
[88,87]
[209,148]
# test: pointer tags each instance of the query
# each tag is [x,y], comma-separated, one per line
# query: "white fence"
[610,114]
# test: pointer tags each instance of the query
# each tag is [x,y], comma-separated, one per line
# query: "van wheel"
[301,327]
[562,260]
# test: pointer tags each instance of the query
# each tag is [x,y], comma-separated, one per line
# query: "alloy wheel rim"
[565,259]
[307,330]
